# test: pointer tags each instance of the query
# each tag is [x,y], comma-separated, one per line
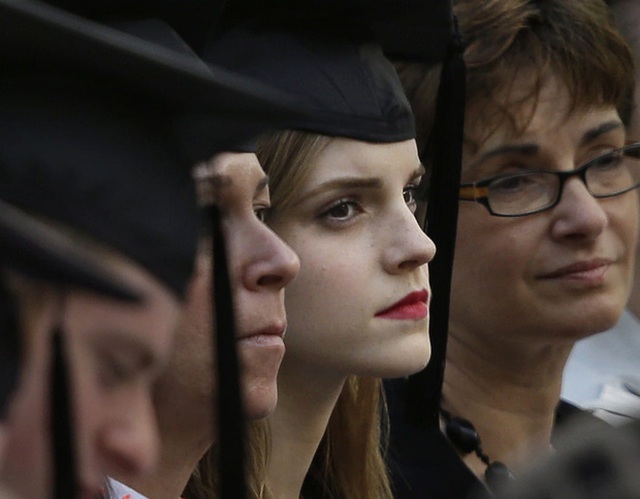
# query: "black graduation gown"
[422,462]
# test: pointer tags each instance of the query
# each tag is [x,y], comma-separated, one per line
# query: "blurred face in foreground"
[115,351]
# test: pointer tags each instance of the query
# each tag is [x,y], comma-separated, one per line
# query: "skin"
[261,264]
[361,251]
[116,350]
[512,325]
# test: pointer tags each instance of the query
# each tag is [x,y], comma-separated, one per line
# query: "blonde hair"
[349,462]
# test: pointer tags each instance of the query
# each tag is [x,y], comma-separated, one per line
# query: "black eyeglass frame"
[478,191]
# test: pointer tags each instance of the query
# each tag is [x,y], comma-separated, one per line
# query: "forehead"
[229,177]
[542,116]
[354,157]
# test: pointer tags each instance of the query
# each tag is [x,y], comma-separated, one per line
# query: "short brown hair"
[576,40]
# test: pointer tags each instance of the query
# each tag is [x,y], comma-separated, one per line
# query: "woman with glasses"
[546,235]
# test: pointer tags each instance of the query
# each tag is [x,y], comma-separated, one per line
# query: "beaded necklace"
[464,437]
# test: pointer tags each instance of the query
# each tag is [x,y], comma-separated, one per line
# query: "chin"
[582,322]
[260,401]
[412,358]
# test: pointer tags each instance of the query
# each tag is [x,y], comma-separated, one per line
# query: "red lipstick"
[412,307]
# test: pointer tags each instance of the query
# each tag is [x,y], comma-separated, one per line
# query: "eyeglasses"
[533,191]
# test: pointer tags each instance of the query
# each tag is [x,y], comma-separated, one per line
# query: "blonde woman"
[343,197]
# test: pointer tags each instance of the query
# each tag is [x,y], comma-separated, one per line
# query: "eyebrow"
[345,183]
[533,149]
[521,149]
[596,132]
[262,185]
[355,183]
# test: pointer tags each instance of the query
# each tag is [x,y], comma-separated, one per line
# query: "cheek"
[625,220]
[488,263]
[328,279]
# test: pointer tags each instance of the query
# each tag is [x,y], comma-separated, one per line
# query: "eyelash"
[326,214]
[411,201]
[114,372]
[262,213]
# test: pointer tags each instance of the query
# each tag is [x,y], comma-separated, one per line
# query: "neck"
[509,394]
[183,441]
[306,398]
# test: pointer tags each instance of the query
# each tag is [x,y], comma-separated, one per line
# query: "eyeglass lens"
[608,175]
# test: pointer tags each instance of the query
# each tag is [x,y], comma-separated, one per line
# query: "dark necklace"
[465,438]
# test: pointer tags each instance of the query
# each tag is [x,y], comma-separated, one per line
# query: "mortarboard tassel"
[230,410]
[424,388]
[10,348]
[65,480]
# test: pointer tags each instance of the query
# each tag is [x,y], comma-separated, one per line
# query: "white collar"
[118,490]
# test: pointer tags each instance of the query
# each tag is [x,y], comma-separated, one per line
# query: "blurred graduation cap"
[98,132]
[193,20]
[215,105]
[31,247]
[418,29]
[422,31]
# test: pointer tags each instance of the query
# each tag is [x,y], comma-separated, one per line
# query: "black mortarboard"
[34,248]
[193,20]
[215,105]
[347,85]
[414,29]
[48,143]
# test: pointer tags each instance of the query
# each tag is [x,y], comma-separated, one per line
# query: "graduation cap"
[423,31]
[214,105]
[347,86]
[34,248]
[417,29]
[193,20]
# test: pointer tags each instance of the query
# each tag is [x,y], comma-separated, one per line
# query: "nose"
[130,444]
[409,247]
[272,263]
[578,215]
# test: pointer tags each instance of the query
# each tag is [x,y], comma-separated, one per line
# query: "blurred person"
[71,162]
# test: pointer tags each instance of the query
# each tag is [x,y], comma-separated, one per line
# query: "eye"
[611,161]
[342,211]
[114,372]
[261,213]
[514,183]
[410,196]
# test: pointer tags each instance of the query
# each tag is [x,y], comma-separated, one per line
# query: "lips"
[266,334]
[580,269]
[414,306]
